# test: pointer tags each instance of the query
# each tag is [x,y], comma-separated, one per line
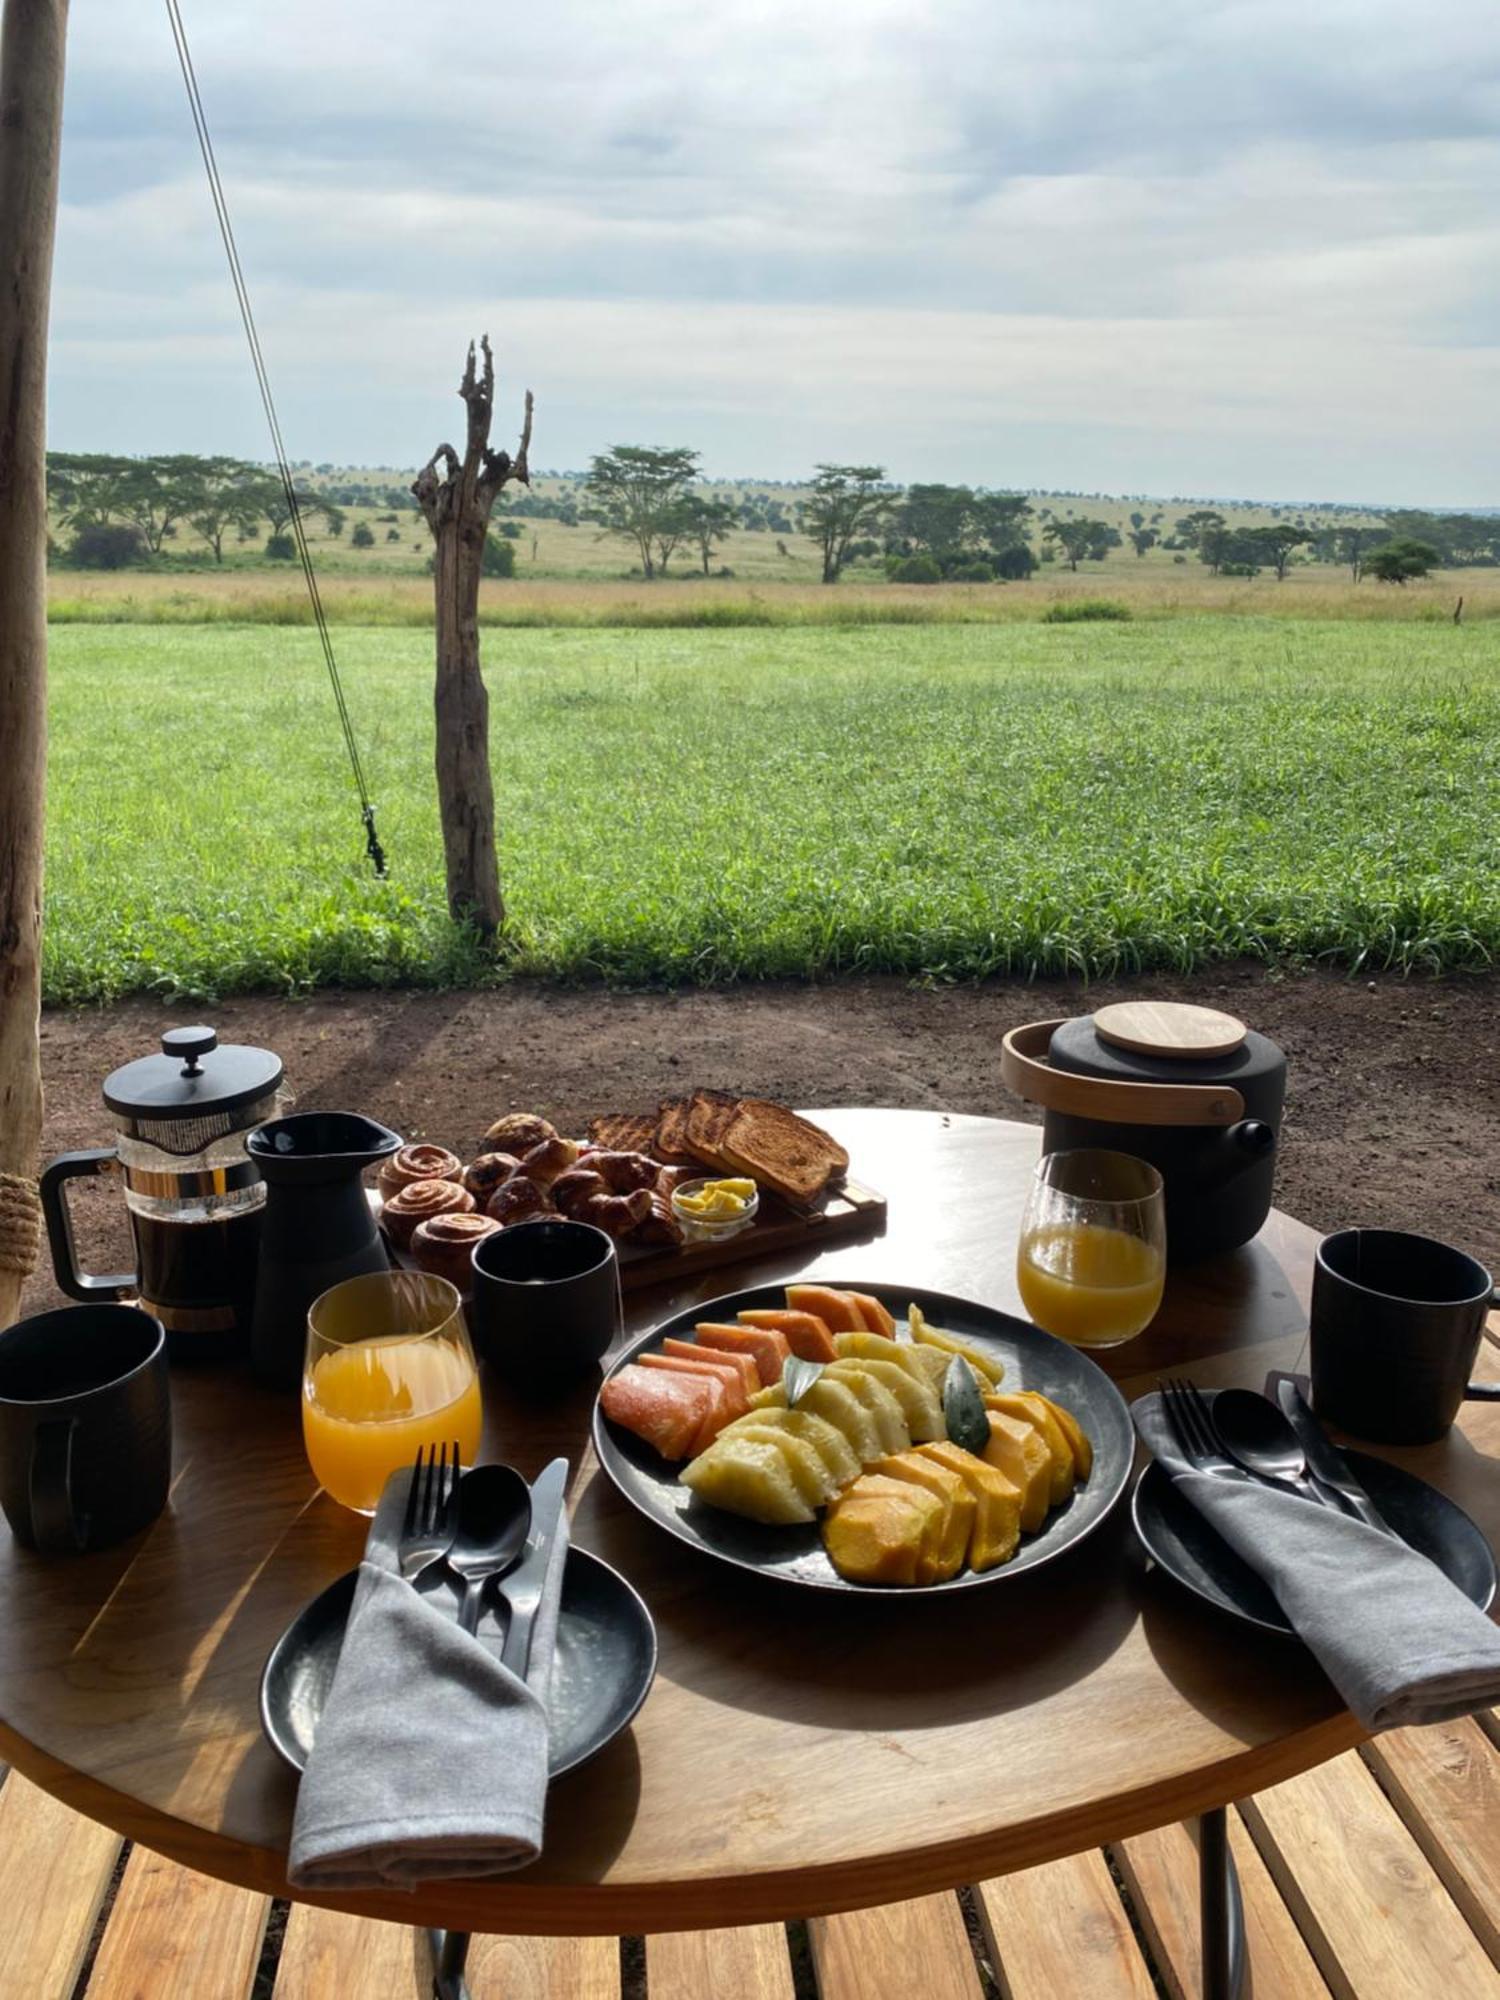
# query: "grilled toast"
[780,1150]
[708,1115]
[622,1132]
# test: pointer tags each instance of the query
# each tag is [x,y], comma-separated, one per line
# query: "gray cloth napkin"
[431,1758]
[1400,1642]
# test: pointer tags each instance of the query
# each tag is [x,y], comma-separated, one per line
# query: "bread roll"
[518,1132]
[518,1200]
[489,1172]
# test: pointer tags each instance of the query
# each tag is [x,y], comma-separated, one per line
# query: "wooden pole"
[457,501]
[32,39]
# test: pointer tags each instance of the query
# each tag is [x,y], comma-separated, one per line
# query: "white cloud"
[1219,248]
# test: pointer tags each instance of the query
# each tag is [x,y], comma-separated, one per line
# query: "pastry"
[623,1173]
[543,1163]
[418,1163]
[584,1196]
[444,1245]
[489,1172]
[661,1225]
[417,1201]
[518,1132]
[518,1201]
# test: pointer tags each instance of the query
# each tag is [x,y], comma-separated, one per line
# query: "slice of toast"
[671,1131]
[622,1131]
[708,1116]
[780,1150]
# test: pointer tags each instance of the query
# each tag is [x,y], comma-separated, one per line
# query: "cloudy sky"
[1202,248]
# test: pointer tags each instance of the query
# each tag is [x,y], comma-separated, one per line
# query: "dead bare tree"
[32,37]
[457,501]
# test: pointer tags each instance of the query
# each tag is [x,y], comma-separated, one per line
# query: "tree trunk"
[32,35]
[457,504]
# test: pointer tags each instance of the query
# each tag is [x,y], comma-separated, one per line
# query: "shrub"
[499,558]
[1084,611]
[1400,560]
[106,545]
[1239,569]
[510,529]
[363,536]
[393,534]
[1015,564]
[280,548]
[917,569]
[972,572]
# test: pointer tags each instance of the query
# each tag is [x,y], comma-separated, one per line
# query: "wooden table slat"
[919,1947]
[1160,1869]
[1062,1928]
[328,1956]
[752,1963]
[55,1869]
[172,1933]
[541,1968]
[1445,1782]
[1376,1918]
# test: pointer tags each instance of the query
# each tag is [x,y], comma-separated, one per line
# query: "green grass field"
[944,800]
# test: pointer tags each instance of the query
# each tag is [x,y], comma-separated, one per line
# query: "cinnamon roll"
[417,1163]
[444,1245]
[417,1201]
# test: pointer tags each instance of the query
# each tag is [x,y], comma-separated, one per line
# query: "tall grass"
[946,801]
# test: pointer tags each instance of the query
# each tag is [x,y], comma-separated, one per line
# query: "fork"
[431,1510]
[1193,1427]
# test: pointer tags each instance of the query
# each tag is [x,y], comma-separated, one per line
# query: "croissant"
[576,1186]
[544,1162]
[417,1201]
[488,1172]
[444,1245]
[661,1225]
[417,1163]
[623,1173]
[518,1200]
[618,1215]
[517,1133]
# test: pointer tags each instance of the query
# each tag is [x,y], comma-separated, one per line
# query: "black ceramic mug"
[1396,1323]
[85,1426]
[546,1306]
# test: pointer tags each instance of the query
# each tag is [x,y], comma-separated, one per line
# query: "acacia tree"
[1277,544]
[457,502]
[845,505]
[225,499]
[707,522]
[634,492]
[1076,538]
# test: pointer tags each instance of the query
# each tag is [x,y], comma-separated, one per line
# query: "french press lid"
[193,1086]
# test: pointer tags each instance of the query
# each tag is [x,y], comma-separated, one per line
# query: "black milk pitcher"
[318,1229]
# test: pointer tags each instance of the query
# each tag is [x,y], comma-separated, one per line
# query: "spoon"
[494,1520]
[1257,1436]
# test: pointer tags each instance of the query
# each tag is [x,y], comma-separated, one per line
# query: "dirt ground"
[1393,1112]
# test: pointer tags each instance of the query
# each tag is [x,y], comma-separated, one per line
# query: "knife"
[1326,1462]
[522,1589]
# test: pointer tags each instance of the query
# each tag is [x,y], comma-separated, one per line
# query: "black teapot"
[1190,1089]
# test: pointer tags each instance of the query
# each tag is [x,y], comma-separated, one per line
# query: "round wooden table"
[798,1755]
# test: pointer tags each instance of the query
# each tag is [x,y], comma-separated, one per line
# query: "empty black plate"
[1177,1537]
[1032,1360]
[606,1661]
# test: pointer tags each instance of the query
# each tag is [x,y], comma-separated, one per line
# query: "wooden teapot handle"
[1025,1070]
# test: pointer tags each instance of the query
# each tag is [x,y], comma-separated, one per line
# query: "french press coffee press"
[194,1195]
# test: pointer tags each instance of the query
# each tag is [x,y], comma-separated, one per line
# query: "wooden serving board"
[842,1214]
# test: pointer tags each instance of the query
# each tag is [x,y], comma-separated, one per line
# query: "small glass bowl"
[704,1229]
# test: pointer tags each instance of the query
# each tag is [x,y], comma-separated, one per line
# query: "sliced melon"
[830,1444]
[809,1470]
[748,1476]
[1077,1436]
[837,1310]
[890,1421]
[1016,1449]
[997,1504]
[874,1314]
[1035,1410]
[933,1336]
[920,1408]
[958,1505]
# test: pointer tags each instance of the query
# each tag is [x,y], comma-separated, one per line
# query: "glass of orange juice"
[389,1367]
[1092,1259]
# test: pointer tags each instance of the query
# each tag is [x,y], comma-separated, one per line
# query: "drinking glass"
[1092,1259]
[388,1368]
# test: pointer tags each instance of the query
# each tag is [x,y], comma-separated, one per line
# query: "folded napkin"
[1400,1642]
[431,1758]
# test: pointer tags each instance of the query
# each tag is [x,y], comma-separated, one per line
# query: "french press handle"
[76,1283]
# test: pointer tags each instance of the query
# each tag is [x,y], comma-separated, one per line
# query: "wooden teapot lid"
[1169,1028]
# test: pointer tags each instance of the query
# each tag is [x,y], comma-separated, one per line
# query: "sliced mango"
[1077,1436]
[1016,1449]
[997,1504]
[1037,1411]
[958,1502]
[878,1536]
